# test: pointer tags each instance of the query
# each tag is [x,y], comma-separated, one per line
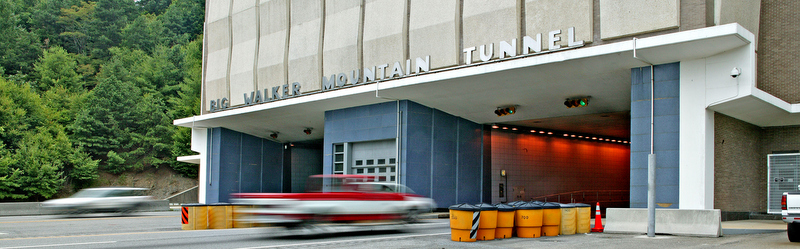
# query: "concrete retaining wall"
[692,222]
[187,196]
[35,208]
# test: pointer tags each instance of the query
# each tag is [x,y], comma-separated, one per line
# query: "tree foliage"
[93,85]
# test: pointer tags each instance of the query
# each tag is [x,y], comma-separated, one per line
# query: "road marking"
[71,244]
[113,218]
[346,241]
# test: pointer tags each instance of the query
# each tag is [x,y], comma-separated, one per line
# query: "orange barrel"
[239,217]
[194,216]
[583,218]
[464,222]
[505,221]
[551,218]
[568,219]
[515,204]
[488,221]
[529,220]
[220,216]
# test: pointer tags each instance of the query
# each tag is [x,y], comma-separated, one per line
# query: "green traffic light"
[583,103]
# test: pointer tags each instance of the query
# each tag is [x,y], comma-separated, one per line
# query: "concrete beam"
[691,222]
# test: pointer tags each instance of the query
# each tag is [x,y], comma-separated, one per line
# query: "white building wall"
[706,82]
[200,145]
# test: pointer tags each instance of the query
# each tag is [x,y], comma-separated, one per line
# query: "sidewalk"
[728,227]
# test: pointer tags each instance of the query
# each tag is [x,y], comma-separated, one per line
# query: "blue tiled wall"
[665,132]
[440,153]
[357,124]
[242,163]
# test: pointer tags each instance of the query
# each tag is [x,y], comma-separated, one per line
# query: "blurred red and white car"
[335,198]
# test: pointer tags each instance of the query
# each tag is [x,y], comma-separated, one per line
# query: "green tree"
[187,104]
[155,7]
[145,33]
[123,128]
[45,20]
[77,21]
[56,67]
[19,48]
[109,17]
[184,19]
[37,156]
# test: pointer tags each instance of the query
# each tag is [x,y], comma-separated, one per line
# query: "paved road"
[162,230]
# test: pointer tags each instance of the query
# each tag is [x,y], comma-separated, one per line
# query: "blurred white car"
[98,200]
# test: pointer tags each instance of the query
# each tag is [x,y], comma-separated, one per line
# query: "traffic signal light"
[502,111]
[577,102]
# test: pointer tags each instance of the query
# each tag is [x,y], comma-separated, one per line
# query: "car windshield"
[91,193]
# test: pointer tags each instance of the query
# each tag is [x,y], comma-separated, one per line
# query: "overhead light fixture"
[274,135]
[514,128]
[308,130]
[495,126]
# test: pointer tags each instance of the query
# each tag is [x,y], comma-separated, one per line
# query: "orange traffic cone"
[598,220]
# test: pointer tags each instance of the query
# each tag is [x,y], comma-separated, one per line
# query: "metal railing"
[608,198]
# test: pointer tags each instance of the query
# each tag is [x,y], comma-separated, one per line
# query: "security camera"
[735,72]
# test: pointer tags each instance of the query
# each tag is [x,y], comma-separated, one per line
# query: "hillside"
[162,182]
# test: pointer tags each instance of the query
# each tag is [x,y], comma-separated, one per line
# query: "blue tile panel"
[440,154]
[666,112]
[241,163]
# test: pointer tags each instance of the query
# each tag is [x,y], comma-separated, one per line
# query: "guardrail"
[35,208]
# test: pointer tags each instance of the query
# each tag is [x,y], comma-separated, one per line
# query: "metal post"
[651,158]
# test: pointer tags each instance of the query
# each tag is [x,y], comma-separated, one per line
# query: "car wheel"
[793,230]
[412,216]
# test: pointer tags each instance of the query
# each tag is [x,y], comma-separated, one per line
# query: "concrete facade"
[434,28]
[632,17]
[711,136]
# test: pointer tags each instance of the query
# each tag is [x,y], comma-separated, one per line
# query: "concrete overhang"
[760,108]
[194,159]
[537,85]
